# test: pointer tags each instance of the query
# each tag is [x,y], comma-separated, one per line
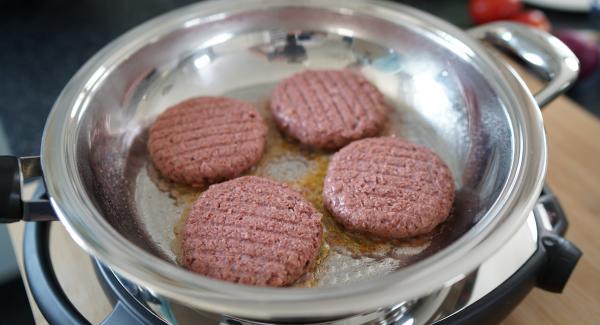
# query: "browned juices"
[304,170]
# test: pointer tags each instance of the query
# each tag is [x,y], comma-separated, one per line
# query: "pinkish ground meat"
[327,109]
[388,187]
[204,140]
[252,230]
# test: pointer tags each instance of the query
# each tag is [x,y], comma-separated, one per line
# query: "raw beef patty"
[204,140]
[388,187]
[327,109]
[252,230]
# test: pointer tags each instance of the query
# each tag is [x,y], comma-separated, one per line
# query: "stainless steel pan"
[448,92]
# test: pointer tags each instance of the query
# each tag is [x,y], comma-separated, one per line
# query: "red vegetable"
[483,11]
[535,18]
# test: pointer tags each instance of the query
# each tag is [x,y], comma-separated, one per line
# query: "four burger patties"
[256,231]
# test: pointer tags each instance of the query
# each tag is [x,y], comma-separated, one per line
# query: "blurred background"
[44,42]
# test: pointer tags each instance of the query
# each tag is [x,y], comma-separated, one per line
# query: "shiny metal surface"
[34,199]
[447,91]
[494,271]
[542,52]
[435,306]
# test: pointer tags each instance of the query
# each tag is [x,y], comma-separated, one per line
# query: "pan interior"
[438,99]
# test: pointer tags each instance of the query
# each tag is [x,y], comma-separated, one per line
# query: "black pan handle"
[561,254]
[45,288]
[549,268]
[23,197]
[10,190]
[23,191]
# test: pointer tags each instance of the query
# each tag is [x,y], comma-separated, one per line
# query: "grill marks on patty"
[388,187]
[207,139]
[326,109]
[232,233]
[256,231]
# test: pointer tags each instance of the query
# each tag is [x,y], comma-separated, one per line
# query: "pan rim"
[89,229]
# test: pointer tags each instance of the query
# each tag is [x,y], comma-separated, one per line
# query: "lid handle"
[545,54]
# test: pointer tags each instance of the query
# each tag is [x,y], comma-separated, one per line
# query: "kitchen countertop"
[573,175]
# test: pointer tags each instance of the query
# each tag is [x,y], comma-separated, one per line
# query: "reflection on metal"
[291,51]
[218,39]
[202,61]
[544,53]
[345,32]
[438,305]
[33,191]
[533,58]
